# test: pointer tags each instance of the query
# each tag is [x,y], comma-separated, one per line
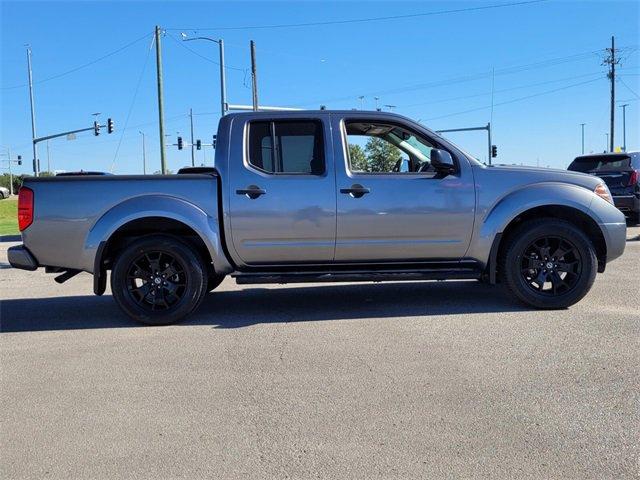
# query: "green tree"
[358,158]
[17,181]
[382,156]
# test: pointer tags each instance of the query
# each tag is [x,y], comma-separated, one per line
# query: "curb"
[10,238]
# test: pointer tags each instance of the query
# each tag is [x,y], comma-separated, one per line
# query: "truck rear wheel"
[548,263]
[158,280]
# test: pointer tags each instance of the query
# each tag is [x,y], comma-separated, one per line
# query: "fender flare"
[490,231]
[145,206]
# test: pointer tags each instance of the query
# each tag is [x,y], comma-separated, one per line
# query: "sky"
[542,61]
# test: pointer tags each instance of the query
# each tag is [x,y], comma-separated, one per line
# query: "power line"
[515,99]
[84,65]
[370,19]
[628,88]
[467,78]
[519,87]
[133,101]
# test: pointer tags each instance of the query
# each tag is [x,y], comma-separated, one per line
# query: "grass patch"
[9,216]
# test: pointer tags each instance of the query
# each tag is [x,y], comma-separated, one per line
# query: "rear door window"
[597,163]
[287,147]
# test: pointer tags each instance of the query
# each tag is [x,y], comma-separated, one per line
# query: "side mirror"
[442,162]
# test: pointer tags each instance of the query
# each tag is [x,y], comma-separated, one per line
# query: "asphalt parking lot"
[401,380]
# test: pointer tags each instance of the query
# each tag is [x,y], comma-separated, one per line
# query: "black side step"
[361,276]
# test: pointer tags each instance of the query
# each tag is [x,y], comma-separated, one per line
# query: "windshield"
[596,163]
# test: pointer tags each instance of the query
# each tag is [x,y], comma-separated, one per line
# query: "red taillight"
[25,208]
[633,178]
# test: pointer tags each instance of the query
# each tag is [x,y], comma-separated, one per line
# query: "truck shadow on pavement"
[250,306]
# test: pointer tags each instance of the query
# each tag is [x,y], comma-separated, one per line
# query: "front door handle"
[356,190]
[252,191]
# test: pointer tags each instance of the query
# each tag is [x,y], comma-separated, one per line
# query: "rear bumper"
[20,257]
[627,203]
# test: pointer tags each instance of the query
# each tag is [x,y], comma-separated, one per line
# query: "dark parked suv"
[621,173]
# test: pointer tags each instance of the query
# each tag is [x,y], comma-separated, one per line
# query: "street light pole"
[582,125]
[223,81]
[223,77]
[36,166]
[144,154]
[254,76]
[624,126]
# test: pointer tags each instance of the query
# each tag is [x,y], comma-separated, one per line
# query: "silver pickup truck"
[319,196]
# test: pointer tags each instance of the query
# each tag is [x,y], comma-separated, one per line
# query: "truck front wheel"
[158,280]
[548,263]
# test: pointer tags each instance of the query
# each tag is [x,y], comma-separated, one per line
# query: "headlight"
[603,192]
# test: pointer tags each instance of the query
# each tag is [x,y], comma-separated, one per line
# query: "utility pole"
[10,174]
[624,126]
[48,158]
[582,125]
[144,154]
[254,79]
[490,142]
[163,161]
[193,151]
[36,166]
[612,62]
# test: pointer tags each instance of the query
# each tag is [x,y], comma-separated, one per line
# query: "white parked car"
[4,193]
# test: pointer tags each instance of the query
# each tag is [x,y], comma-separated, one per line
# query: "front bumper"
[20,257]
[615,235]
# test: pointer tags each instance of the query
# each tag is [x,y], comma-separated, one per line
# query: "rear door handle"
[252,191]
[356,190]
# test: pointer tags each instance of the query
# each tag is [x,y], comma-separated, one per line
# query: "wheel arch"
[134,219]
[575,216]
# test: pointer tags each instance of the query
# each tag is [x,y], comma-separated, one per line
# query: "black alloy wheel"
[548,263]
[551,265]
[158,280]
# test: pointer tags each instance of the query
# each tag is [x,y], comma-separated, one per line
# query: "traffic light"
[19,159]
[96,128]
[180,143]
[494,151]
[109,125]
[198,144]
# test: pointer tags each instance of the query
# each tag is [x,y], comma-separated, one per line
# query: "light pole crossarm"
[49,137]
[486,127]
[201,38]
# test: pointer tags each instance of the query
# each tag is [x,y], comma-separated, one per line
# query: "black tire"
[548,263]
[158,280]
[214,281]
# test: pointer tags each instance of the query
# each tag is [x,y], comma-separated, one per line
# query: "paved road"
[404,380]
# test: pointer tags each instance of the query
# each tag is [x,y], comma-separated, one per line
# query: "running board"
[362,276]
